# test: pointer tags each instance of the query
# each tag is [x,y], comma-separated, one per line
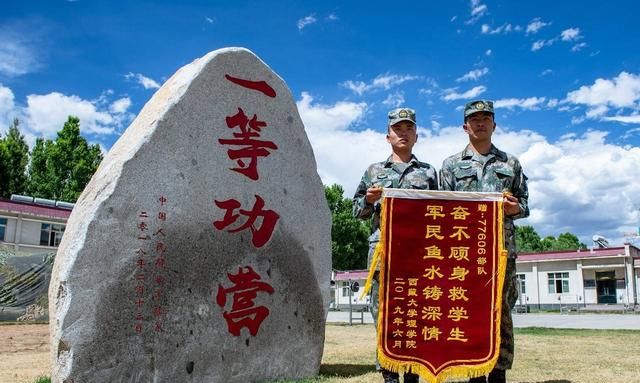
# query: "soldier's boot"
[479,379]
[411,378]
[390,376]
[497,376]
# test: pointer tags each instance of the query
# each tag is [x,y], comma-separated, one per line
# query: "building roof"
[573,254]
[33,209]
[352,274]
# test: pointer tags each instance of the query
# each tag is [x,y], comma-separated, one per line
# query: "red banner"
[441,276]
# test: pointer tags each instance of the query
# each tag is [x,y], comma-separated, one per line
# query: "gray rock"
[143,279]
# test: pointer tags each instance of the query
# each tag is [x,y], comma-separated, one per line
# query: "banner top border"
[441,194]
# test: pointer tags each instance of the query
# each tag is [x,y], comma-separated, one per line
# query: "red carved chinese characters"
[150,269]
[261,233]
[159,235]
[245,148]
[260,86]
[140,264]
[244,313]
[250,148]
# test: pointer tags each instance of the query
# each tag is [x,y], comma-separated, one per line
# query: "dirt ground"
[24,352]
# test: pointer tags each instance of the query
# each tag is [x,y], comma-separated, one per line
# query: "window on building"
[3,227]
[345,288]
[558,283]
[522,288]
[51,234]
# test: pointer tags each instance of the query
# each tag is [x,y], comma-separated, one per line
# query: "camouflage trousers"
[509,298]
[375,306]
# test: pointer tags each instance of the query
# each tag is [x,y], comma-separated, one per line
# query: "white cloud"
[552,103]
[327,128]
[571,34]
[565,185]
[18,50]
[630,133]
[143,80]
[383,81]
[504,28]
[332,17]
[577,120]
[546,72]
[578,47]
[531,103]
[47,113]
[6,106]
[44,115]
[622,91]
[120,106]
[597,111]
[566,108]
[477,11]
[210,20]
[537,45]
[426,91]
[394,100]
[633,119]
[567,193]
[535,25]
[488,52]
[330,118]
[473,74]
[308,20]
[451,94]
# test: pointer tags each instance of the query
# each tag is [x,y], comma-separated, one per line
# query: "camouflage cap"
[402,114]
[478,106]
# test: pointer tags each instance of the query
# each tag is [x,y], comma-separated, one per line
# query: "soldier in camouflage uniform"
[401,170]
[483,167]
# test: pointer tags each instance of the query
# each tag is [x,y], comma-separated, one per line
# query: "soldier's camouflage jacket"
[387,174]
[495,172]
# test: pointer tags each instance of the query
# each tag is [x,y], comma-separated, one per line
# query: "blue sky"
[565,76]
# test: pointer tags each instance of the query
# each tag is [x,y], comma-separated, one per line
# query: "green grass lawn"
[542,356]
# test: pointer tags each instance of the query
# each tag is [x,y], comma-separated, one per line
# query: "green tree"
[548,243]
[4,170]
[349,235]
[14,157]
[62,168]
[528,240]
[568,241]
[39,183]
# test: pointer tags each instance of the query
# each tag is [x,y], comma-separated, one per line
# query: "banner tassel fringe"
[378,253]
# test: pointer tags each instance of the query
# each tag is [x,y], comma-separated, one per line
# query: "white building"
[572,279]
[342,292]
[579,278]
[29,225]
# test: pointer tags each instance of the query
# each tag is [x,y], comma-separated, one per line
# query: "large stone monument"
[200,250]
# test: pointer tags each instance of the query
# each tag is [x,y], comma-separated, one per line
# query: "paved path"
[588,321]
